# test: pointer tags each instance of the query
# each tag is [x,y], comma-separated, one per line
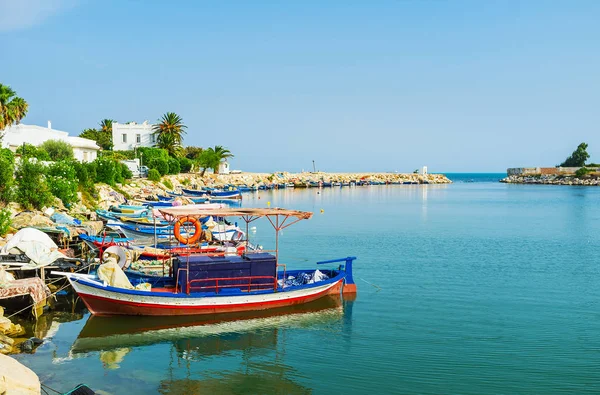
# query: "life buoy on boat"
[197,230]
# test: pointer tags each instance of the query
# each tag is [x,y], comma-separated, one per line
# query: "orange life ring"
[191,239]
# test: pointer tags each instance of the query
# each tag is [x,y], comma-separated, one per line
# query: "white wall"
[16,135]
[136,135]
[224,167]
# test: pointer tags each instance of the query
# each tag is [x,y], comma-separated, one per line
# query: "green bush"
[31,151]
[57,149]
[185,165]
[153,175]
[106,171]
[160,164]
[148,154]
[5,221]
[125,172]
[582,172]
[32,188]
[82,174]
[174,167]
[119,155]
[7,171]
[167,183]
[92,168]
[62,180]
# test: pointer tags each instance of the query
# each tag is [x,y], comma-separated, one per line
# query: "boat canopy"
[199,212]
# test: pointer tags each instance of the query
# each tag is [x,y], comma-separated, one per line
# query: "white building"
[16,135]
[127,136]
[224,167]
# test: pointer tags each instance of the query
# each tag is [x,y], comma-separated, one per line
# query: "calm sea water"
[470,288]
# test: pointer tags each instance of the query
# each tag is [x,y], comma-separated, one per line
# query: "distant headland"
[573,171]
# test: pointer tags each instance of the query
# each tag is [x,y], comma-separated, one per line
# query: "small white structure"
[424,171]
[224,167]
[127,136]
[84,150]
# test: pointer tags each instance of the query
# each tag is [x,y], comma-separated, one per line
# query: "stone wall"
[527,171]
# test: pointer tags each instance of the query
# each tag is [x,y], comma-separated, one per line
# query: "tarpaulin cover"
[113,275]
[34,243]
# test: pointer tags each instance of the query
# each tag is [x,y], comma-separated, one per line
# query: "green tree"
[220,153]
[12,108]
[578,157]
[103,140]
[192,153]
[57,149]
[106,126]
[207,160]
[169,131]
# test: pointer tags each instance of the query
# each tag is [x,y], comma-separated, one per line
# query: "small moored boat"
[208,285]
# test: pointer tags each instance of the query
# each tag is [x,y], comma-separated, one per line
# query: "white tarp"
[34,243]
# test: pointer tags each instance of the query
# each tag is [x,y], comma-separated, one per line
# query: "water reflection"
[249,347]
[193,336]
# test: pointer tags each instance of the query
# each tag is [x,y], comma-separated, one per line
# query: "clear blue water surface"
[471,288]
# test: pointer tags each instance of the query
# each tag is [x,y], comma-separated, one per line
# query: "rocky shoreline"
[551,179]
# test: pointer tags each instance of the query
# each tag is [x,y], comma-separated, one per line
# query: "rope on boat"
[44,387]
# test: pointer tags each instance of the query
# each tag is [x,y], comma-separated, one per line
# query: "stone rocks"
[551,179]
[16,378]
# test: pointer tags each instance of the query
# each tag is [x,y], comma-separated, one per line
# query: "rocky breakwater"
[553,179]
[142,188]
[252,179]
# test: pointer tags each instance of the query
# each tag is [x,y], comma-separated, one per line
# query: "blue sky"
[355,85]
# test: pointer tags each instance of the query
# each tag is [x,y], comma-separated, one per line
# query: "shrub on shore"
[185,165]
[32,188]
[153,175]
[5,222]
[168,184]
[62,181]
[150,153]
[119,155]
[106,171]
[160,164]
[125,172]
[7,170]
[174,167]
[582,172]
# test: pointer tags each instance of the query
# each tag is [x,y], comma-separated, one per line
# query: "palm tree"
[169,131]
[105,135]
[12,109]
[220,153]
[18,106]
[106,126]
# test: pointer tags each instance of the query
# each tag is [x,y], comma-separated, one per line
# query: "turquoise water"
[471,288]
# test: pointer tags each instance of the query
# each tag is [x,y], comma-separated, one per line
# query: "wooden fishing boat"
[211,285]
[194,192]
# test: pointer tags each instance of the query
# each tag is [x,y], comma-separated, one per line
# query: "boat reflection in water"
[194,339]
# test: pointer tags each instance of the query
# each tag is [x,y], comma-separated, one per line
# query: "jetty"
[589,176]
